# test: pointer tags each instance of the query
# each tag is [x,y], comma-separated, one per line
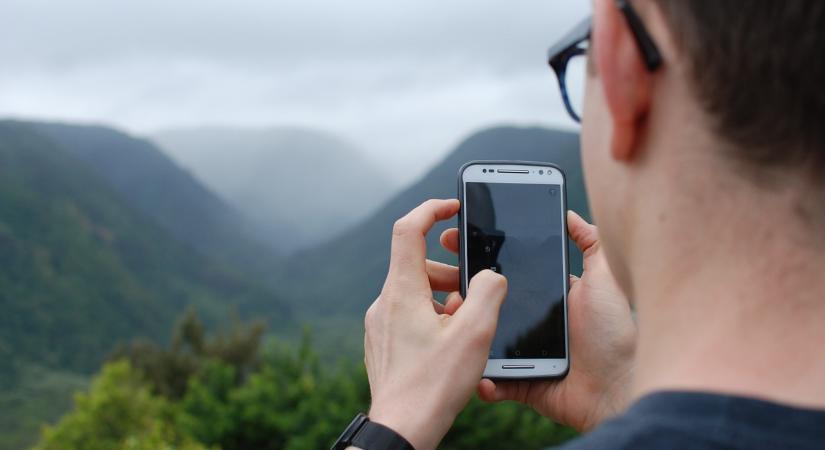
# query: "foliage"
[40,394]
[281,397]
[148,180]
[118,413]
[82,268]
[169,370]
[291,403]
[8,371]
[99,244]
[482,426]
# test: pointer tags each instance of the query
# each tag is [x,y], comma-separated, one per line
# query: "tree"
[118,413]
[232,395]
[169,369]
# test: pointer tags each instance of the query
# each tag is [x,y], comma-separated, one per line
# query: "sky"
[404,80]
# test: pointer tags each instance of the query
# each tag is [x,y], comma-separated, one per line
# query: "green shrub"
[286,400]
[118,413]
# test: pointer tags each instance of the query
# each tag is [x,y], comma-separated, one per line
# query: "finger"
[487,390]
[582,233]
[449,239]
[438,307]
[443,277]
[409,249]
[484,298]
[573,280]
[491,391]
[452,303]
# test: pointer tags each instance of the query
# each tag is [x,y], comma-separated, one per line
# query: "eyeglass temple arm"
[652,56]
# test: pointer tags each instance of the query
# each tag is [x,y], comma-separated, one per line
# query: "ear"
[626,83]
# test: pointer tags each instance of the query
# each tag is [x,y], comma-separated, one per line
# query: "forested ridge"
[81,270]
[96,273]
[231,391]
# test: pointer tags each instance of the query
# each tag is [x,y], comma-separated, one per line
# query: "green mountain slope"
[79,269]
[142,174]
[342,277]
[82,269]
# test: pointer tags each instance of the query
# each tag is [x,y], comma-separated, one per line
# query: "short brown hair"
[758,69]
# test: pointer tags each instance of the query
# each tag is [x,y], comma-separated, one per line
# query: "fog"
[402,80]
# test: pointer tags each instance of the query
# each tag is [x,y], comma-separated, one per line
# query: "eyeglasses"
[568,57]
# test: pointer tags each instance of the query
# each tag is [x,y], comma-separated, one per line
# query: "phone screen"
[516,230]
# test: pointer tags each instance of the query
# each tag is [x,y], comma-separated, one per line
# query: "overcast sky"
[404,80]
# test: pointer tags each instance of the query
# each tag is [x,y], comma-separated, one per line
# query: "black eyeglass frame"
[569,46]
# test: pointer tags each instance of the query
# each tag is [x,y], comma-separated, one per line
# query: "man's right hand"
[602,345]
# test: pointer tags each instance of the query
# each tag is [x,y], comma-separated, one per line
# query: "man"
[702,144]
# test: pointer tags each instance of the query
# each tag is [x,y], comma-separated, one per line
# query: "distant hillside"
[169,195]
[300,187]
[343,276]
[82,269]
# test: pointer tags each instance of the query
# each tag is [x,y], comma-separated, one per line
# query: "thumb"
[484,298]
[582,233]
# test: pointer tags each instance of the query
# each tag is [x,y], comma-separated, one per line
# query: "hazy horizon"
[403,81]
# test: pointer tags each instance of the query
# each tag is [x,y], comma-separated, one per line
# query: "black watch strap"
[368,435]
[374,436]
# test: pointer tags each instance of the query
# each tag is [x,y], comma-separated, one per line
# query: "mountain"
[81,269]
[169,195]
[104,239]
[343,276]
[300,187]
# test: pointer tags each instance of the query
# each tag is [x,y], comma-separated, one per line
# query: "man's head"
[735,111]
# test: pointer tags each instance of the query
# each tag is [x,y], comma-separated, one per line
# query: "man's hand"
[424,360]
[602,345]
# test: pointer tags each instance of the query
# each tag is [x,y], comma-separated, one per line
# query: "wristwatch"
[368,435]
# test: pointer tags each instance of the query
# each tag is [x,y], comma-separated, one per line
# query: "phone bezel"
[472,172]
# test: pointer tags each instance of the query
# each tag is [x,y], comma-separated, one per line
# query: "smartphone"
[513,221]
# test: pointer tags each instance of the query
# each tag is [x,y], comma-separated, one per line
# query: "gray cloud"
[402,79]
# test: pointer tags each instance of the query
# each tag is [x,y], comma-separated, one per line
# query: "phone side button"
[518,366]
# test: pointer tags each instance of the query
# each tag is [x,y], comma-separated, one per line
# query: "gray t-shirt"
[683,420]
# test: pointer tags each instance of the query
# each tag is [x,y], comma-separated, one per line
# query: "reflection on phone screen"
[516,230]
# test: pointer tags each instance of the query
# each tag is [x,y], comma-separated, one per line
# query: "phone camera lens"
[541,172]
[484,170]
